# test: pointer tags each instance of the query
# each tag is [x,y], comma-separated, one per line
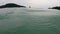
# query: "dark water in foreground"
[28,21]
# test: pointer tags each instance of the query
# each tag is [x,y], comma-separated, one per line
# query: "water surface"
[29,21]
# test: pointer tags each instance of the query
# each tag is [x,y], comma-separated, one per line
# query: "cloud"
[44,3]
[33,3]
[21,2]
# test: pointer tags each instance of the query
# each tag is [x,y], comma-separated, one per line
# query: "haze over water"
[29,21]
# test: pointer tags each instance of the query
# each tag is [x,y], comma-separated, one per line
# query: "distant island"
[57,7]
[12,5]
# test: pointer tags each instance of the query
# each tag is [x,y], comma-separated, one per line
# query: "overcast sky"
[33,3]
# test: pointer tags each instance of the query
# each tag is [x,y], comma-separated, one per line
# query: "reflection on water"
[27,21]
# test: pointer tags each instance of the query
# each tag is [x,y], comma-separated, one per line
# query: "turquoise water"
[29,21]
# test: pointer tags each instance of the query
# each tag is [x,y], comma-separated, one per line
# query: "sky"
[33,3]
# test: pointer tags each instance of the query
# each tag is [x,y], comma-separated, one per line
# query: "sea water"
[29,21]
